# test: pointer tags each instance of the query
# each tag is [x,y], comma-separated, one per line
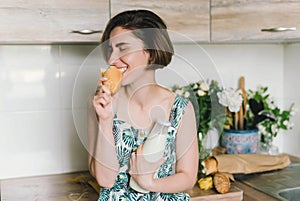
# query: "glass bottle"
[154,147]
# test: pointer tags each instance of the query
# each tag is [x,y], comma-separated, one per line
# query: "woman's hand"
[103,101]
[141,170]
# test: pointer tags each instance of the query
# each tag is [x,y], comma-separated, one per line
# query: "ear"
[150,53]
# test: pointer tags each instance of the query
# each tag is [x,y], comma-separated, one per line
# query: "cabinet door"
[187,20]
[41,21]
[235,20]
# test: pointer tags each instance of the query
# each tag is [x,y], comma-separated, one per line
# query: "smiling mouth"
[122,69]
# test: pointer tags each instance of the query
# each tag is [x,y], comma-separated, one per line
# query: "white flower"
[274,128]
[261,129]
[179,92]
[201,93]
[288,124]
[260,89]
[200,136]
[270,102]
[187,94]
[204,86]
[195,86]
[231,99]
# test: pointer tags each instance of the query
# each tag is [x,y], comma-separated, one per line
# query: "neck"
[141,94]
[141,88]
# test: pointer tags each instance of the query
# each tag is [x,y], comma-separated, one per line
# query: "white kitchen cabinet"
[187,20]
[41,21]
[243,20]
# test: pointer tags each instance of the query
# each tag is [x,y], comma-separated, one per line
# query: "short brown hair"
[148,27]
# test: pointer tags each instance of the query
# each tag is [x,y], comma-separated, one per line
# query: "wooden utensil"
[243,110]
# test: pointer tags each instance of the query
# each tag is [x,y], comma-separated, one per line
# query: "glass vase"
[266,145]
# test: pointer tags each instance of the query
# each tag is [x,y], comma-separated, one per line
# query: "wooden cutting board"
[234,194]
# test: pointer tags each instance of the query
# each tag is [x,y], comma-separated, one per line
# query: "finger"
[102,79]
[106,96]
[102,90]
[132,162]
[100,101]
[99,87]
[100,82]
[96,100]
[97,90]
[133,156]
[139,150]
[104,102]
[105,89]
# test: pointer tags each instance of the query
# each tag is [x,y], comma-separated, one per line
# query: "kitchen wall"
[291,140]
[44,90]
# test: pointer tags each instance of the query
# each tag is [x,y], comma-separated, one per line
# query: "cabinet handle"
[279,29]
[86,31]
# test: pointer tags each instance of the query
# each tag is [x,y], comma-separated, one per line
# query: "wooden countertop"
[48,188]
[251,194]
[59,188]
[294,159]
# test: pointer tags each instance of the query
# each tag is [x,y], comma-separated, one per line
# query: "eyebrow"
[121,44]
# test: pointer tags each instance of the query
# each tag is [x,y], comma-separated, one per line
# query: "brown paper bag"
[250,163]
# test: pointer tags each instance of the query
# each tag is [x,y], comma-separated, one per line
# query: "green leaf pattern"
[127,139]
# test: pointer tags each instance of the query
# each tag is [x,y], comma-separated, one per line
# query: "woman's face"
[127,54]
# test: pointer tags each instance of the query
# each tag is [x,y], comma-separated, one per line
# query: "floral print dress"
[127,139]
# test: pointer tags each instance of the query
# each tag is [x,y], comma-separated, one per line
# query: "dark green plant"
[271,119]
[209,112]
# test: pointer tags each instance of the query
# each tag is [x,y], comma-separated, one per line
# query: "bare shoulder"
[171,96]
[167,95]
[190,108]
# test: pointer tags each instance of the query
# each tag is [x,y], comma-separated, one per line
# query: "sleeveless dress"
[127,139]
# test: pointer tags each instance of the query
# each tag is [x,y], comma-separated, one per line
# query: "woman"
[137,43]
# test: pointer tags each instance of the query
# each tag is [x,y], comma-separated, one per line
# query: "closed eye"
[122,46]
[122,49]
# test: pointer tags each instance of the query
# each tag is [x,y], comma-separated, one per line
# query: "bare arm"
[103,162]
[92,127]
[187,160]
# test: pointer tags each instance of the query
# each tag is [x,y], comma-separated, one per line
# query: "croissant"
[221,183]
[114,78]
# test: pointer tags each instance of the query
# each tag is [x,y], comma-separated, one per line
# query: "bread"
[114,78]
[205,183]
[210,166]
[221,183]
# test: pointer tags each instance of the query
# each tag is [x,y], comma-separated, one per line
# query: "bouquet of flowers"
[217,108]
[210,102]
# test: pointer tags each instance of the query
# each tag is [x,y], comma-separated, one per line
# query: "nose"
[114,58]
